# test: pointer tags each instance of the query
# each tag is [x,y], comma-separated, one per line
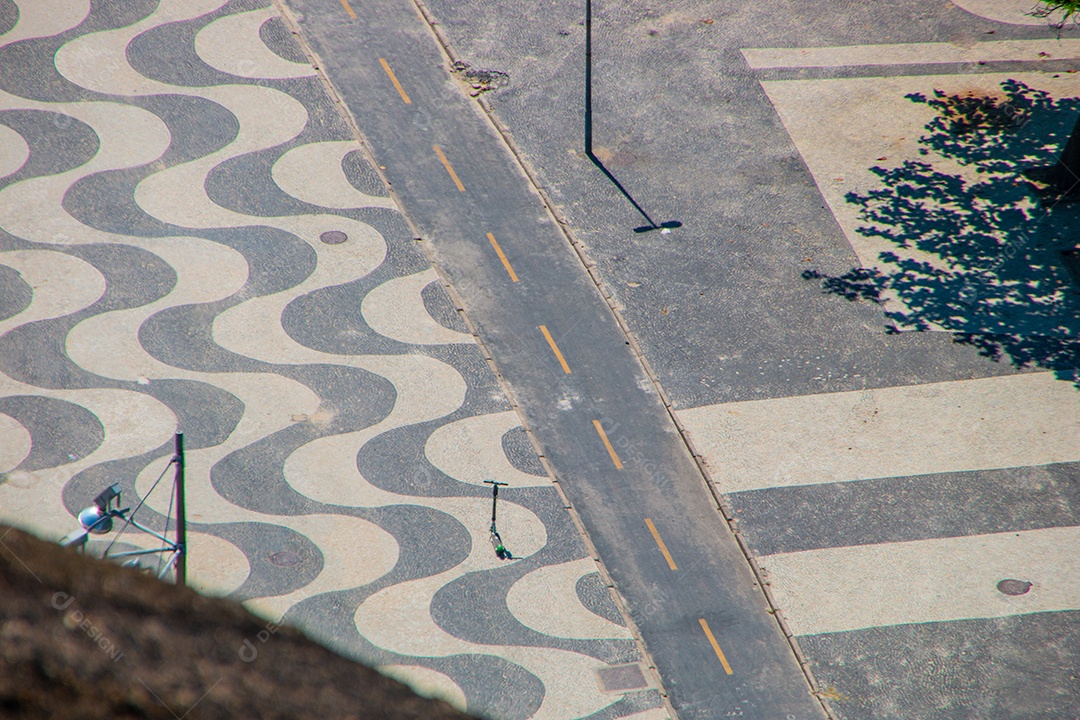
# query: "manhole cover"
[285,559]
[333,237]
[1013,587]
[621,678]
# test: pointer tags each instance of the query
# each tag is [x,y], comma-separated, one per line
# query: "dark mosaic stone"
[276,36]
[182,336]
[429,541]
[133,276]
[27,68]
[520,452]
[395,461]
[453,609]
[324,121]
[438,306]
[483,394]
[244,184]
[329,616]
[899,509]
[327,319]
[252,477]
[361,175]
[564,542]
[260,542]
[106,201]
[205,413]
[417,530]
[629,704]
[113,15]
[15,293]
[1008,668]
[166,53]
[594,594]
[57,142]
[10,242]
[493,687]
[36,354]
[277,260]
[9,15]
[60,432]
[197,126]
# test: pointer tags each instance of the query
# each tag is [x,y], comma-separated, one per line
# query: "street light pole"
[588,78]
[181,514]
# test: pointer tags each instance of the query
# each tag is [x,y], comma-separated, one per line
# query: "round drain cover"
[286,559]
[333,237]
[1013,587]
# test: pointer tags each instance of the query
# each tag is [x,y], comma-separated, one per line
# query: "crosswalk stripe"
[1012,421]
[863,586]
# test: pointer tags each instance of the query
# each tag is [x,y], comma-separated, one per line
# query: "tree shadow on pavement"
[978,247]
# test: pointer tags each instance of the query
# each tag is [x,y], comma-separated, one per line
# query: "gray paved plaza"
[850,326]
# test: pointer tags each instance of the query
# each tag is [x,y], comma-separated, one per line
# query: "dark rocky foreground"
[82,638]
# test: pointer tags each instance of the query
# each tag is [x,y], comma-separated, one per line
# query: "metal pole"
[494,499]
[588,78]
[181,515]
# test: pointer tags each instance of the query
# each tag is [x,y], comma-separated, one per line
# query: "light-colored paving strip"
[313,174]
[43,18]
[396,310]
[14,152]
[546,601]
[844,127]
[62,284]
[1014,12]
[1012,421]
[863,586]
[16,445]
[470,450]
[133,424]
[911,54]
[232,45]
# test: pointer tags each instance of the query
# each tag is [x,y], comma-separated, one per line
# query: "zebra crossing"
[866,514]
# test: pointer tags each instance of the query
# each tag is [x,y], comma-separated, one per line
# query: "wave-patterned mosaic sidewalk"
[191,239]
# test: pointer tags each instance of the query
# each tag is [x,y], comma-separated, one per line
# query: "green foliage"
[1061,10]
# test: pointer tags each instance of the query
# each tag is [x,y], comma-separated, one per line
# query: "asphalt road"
[458,181]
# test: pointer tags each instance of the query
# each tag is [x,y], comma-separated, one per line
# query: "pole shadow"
[666,226]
